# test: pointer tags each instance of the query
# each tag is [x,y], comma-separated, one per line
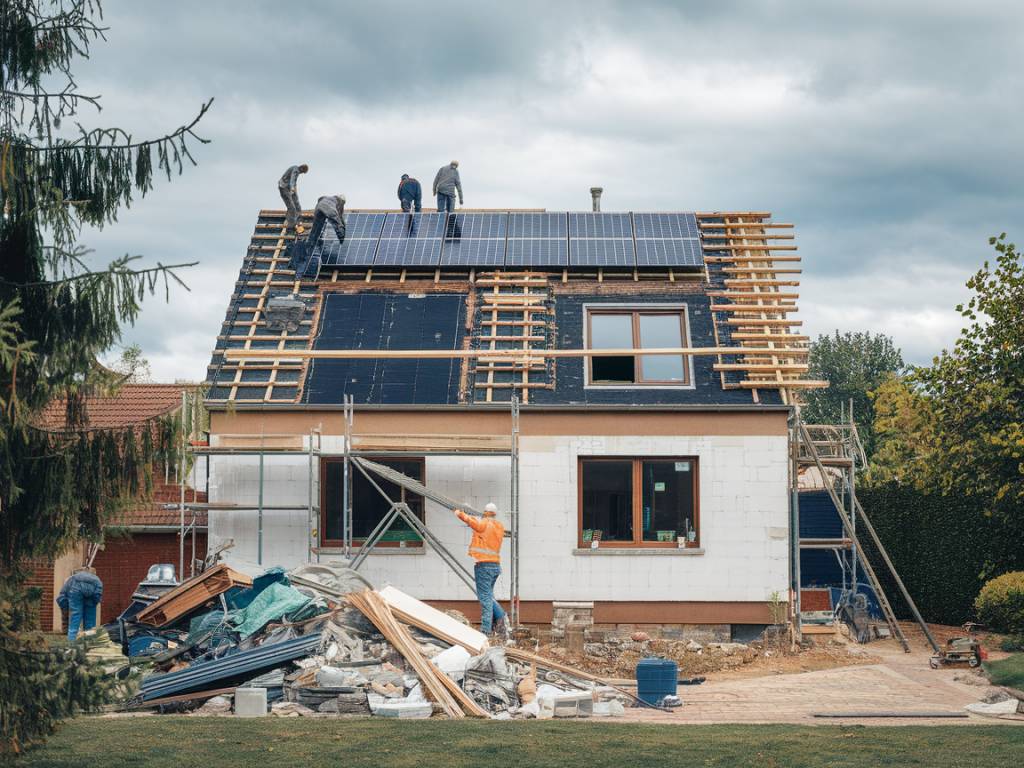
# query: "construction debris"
[320,641]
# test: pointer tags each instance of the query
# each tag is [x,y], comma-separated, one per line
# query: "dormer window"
[629,328]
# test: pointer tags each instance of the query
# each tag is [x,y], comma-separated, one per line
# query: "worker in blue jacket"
[80,596]
[410,194]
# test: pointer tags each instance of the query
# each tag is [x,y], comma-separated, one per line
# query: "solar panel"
[601,252]
[413,225]
[537,252]
[476,225]
[361,225]
[410,252]
[351,253]
[537,225]
[664,226]
[473,253]
[676,252]
[602,225]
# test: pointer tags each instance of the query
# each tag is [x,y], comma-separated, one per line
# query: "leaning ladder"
[890,617]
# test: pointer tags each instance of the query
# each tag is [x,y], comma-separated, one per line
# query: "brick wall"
[42,577]
[124,562]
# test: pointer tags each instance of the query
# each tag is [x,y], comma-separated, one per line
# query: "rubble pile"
[617,657]
[320,641]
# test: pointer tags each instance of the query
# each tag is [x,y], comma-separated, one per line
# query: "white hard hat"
[491,508]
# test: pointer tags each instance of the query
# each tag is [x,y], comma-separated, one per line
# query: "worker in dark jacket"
[288,187]
[446,184]
[410,194]
[80,596]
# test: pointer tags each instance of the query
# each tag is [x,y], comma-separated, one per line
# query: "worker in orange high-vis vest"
[485,548]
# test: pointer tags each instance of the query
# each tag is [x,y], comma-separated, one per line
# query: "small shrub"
[1012,643]
[1000,604]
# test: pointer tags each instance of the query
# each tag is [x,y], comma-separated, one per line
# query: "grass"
[1008,671]
[187,742]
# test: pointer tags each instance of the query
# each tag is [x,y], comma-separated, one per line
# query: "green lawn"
[1009,671]
[184,742]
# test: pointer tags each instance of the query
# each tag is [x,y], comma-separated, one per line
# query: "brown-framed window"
[638,502]
[617,328]
[368,506]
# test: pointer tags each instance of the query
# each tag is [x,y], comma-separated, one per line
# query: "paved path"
[900,683]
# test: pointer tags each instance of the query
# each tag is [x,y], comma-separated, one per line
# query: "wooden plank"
[433,443]
[759,270]
[440,354]
[192,594]
[785,383]
[760,367]
[759,259]
[753,295]
[437,623]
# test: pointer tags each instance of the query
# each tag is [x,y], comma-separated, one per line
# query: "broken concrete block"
[405,710]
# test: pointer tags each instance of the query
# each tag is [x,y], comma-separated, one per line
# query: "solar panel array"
[541,240]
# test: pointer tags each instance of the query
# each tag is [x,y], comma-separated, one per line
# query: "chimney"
[595,195]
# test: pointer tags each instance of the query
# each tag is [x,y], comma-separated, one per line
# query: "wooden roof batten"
[753,302]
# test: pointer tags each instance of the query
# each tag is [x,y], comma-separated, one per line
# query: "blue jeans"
[445,203]
[490,610]
[81,613]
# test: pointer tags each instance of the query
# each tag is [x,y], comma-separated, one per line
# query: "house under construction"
[622,385]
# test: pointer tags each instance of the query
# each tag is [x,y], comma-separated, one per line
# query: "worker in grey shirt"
[446,183]
[330,209]
[288,187]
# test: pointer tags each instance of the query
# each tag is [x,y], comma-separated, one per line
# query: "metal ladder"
[844,445]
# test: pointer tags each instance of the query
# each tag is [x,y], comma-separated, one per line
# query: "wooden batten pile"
[437,686]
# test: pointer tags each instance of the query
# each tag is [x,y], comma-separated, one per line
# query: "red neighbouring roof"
[154,512]
[131,404]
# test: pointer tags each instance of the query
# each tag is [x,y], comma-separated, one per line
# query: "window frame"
[635,311]
[356,542]
[638,502]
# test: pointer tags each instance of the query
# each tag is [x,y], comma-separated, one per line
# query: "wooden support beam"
[444,354]
[758,270]
[784,384]
[753,295]
[760,367]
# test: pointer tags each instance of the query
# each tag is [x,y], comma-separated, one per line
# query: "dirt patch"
[618,658]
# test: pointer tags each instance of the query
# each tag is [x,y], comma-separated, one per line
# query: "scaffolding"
[835,452]
[355,451]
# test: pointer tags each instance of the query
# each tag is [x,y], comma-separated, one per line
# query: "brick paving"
[900,683]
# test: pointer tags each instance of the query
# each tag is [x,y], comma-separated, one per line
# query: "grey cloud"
[885,131]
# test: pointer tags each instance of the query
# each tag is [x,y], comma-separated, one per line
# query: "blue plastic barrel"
[656,679]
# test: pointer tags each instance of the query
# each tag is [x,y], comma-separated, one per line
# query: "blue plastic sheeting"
[388,321]
[271,604]
[241,597]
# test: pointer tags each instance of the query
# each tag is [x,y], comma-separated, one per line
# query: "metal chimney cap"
[595,196]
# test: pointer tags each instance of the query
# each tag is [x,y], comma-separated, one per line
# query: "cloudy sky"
[888,133]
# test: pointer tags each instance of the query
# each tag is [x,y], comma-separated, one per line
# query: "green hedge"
[1000,604]
[944,548]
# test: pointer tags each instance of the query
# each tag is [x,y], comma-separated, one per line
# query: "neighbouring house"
[148,532]
[653,489]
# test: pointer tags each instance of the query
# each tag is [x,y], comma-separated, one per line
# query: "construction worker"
[79,596]
[329,209]
[288,187]
[485,548]
[410,194]
[446,184]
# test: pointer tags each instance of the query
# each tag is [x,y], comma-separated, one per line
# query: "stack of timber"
[192,594]
[752,284]
[453,701]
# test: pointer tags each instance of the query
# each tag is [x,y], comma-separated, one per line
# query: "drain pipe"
[595,196]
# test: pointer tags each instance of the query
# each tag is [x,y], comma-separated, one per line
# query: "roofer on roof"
[410,193]
[329,209]
[485,548]
[288,187]
[446,183]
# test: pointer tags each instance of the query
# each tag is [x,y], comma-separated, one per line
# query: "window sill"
[374,551]
[640,551]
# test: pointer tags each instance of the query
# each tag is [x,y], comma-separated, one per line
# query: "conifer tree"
[58,314]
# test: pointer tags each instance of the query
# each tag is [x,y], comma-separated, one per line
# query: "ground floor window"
[368,506]
[638,502]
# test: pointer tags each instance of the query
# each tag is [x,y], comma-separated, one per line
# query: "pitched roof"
[153,512]
[131,404]
[727,285]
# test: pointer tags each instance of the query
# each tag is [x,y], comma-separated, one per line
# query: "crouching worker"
[330,209]
[485,548]
[79,596]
